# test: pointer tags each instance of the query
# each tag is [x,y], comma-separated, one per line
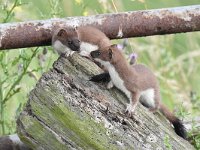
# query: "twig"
[19,78]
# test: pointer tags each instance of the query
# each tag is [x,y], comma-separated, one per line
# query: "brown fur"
[87,34]
[68,38]
[93,35]
[138,78]
[64,35]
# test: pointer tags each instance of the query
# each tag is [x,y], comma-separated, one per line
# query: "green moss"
[44,137]
[25,140]
[84,131]
[167,143]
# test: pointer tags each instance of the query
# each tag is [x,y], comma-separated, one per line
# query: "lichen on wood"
[67,111]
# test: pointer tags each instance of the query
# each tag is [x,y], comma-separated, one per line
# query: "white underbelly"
[118,82]
[87,48]
[60,48]
[147,98]
[115,78]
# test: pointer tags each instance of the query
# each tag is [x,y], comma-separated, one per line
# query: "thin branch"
[10,11]
[9,93]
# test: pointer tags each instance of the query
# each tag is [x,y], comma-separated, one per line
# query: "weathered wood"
[118,25]
[66,111]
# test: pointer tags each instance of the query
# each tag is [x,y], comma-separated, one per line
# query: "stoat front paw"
[84,54]
[69,53]
[110,85]
[130,110]
[153,110]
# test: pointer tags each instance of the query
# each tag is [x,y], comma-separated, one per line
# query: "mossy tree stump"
[66,111]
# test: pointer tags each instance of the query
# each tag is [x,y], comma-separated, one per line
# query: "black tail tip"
[179,128]
[103,77]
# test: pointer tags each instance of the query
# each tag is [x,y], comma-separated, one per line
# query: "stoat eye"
[98,53]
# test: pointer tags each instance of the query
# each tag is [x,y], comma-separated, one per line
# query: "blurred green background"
[173,58]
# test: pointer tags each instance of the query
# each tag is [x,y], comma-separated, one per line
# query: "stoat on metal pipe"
[83,40]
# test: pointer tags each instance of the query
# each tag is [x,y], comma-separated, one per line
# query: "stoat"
[104,77]
[65,41]
[91,39]
[137,82]
[84,40]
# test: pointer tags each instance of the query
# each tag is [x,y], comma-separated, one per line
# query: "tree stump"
[66,111]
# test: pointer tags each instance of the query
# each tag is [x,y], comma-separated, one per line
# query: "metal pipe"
[117,25]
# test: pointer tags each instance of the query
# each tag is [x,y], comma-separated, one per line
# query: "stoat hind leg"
[150,99]
[84,53]
[157,100]
[69,53]
[134,98]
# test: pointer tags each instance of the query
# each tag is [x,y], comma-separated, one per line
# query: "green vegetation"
[167,143]
[174,58]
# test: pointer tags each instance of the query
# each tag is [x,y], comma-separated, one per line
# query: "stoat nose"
[78,47]
[77,44]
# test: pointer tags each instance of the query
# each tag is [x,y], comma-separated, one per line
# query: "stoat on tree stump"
[66,111]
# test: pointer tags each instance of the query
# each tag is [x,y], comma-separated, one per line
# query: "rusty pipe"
[116,25]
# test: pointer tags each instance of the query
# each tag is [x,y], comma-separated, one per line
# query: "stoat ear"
[61,32]
[110,53]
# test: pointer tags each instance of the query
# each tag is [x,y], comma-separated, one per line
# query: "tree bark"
[66,111]
[118,25]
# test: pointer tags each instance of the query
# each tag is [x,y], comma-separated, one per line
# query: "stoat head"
[69,38]
[106,54]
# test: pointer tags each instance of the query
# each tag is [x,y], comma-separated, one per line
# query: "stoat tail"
[177,123]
